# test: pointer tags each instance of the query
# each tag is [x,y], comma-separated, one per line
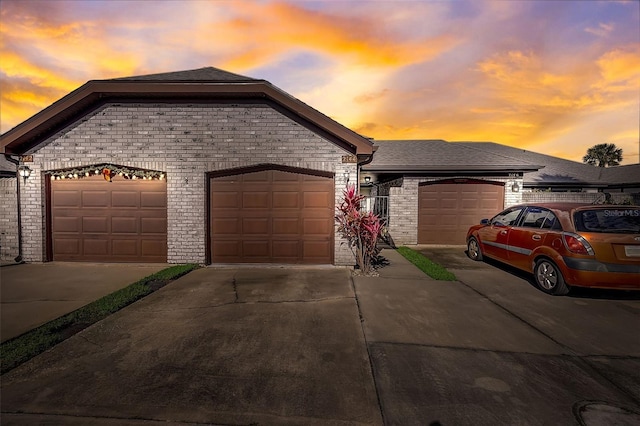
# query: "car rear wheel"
[549,278]
[473,249]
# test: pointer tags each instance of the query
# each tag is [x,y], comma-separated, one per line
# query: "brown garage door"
[93,220]
[447,209]
[271,216]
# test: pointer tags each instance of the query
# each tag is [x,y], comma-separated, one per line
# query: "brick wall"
[8,219]
[185,141]
[403,205]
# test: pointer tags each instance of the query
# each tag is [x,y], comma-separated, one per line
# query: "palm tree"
[603,155]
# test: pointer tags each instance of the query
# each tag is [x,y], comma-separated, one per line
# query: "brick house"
[436,190]
[208,166]
[198,166]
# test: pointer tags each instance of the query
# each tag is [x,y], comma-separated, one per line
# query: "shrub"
[360,229]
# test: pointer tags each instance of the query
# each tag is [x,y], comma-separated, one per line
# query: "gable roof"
[439,156]
[204,84]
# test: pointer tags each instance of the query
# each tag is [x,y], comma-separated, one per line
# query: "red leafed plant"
[360,229]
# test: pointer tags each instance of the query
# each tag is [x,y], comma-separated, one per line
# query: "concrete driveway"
[315,346]
[33,294]
[217,346]
[491,349]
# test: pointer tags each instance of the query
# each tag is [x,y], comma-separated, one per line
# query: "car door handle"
[536,237]
[503,232]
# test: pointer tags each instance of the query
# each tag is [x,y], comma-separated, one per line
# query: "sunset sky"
[549,76]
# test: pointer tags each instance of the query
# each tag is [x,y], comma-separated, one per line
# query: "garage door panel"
[225,200]
[252,249]
[153,199]
[124,225]
[275,205]
[226,226]
[95,247]
[67,224]
[316,251]
[153,248]
[316,199]
[255,200]
[70,246]
[124,199]
[95,224]
[252,226]
[110,222]
[286,226]
[153,225]
[447,210]
[285,250]
[316,226]
[285,200]
[95,199]
[68,199]
[227,249]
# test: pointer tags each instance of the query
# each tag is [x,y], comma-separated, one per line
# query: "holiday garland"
[108,171]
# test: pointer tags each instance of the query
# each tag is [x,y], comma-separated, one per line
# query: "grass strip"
[426,265]
[24,347]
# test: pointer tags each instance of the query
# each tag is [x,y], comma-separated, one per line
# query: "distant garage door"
[93,220]
[271,216]
[446,209]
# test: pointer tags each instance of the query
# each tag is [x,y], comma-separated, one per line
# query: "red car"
[564,244]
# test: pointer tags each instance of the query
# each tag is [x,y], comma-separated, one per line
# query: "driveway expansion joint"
[522,320]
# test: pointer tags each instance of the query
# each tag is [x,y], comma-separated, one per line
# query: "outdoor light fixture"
[515,187]
[367,179]
[25,172]
[346,176]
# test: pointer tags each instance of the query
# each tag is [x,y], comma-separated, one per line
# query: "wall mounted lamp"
[515,187]
[25,172]
[346,176]
[367,179]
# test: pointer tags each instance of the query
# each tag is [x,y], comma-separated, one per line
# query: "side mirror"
[484,222]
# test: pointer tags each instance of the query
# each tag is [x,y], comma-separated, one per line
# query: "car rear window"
[614,220]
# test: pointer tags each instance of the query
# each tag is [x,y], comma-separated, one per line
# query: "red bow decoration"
[106,173]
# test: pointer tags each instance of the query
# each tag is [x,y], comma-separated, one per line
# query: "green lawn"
[16,351]
[427,266]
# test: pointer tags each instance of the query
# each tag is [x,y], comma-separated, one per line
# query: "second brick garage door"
[271,216]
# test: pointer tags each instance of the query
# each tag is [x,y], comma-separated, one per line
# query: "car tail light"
[577,244]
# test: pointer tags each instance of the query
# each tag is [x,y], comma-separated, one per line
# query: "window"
[540,218]
[614,220]
[507,217]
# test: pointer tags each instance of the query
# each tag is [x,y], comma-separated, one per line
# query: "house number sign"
[349,159]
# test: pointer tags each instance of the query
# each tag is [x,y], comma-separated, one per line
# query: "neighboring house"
[436,189]
[208,166]
[205,166]
[9,241]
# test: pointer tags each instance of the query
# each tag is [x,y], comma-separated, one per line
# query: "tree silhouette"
[603,155]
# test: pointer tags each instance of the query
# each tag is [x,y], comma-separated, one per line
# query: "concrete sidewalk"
[33,294]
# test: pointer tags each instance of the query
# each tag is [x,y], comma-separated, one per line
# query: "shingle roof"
[540,170]
[440,156]
[622,174]
[556,170]
[7,168]
[209,74]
